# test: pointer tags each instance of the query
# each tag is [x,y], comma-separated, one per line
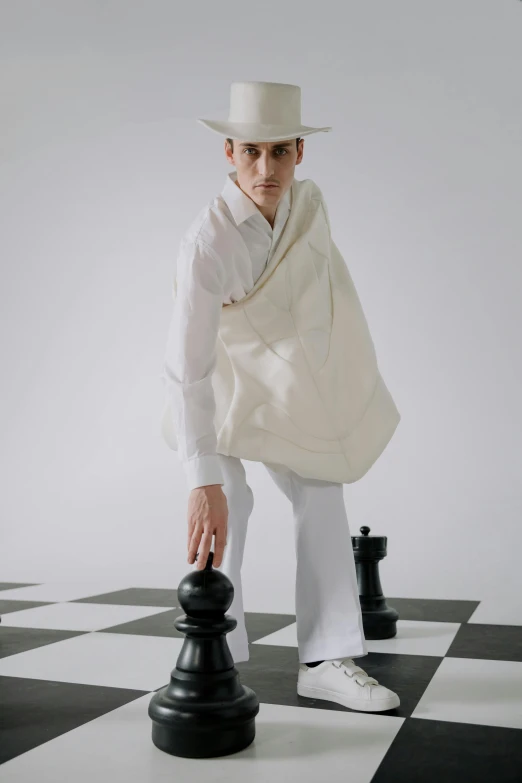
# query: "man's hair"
[231,142]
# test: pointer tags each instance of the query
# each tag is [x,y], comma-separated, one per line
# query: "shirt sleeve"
[190,359]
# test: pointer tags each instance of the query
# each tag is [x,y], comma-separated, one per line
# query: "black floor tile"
[431,751]
[36,711]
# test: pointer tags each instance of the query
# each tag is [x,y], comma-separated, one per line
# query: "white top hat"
[263,111]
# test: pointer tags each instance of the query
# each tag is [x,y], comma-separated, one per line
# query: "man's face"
[262,162]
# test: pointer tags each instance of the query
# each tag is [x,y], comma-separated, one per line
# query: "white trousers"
[328,611]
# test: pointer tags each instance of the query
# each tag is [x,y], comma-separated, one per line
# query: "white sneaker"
[344,682]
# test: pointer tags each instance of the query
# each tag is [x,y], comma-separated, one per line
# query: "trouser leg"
[328,611]
[240,501]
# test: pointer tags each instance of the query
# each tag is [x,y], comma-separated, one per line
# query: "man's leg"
[240,501]
[328,610]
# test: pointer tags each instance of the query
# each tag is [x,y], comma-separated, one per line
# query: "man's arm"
[190,360]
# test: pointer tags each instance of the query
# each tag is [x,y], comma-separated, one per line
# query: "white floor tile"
[469,690]
[63,591]
[110,659]
[413,638]
[291,744]
[78,617]
[286,637]
[491,611]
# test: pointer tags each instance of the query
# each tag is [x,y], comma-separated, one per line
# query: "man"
[269,358]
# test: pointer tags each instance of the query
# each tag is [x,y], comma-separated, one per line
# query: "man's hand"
[207,516]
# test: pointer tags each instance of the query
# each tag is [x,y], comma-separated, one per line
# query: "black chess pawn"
[379,619]
[204,711]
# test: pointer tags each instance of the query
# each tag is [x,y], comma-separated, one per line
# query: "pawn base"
[201,728]
[209,743]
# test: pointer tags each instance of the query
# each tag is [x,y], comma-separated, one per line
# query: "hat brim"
[258,132]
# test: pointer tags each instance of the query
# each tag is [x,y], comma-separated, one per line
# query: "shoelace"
[352,670]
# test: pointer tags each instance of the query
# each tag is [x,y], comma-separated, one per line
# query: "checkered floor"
[80,662]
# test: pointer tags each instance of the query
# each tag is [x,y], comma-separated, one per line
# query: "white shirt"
[221,256]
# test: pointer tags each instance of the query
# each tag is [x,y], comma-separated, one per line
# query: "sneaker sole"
[354,704]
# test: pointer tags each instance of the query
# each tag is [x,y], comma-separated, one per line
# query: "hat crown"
[263,111]
[265,103]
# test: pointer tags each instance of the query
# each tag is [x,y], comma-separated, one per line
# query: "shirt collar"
[241,206]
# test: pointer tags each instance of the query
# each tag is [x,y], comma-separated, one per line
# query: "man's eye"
[282,149]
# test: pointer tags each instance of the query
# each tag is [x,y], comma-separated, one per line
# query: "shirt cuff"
[202,471]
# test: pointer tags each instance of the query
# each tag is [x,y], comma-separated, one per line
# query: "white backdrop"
[102,167]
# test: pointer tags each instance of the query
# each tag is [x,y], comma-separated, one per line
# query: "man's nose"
[265,163]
